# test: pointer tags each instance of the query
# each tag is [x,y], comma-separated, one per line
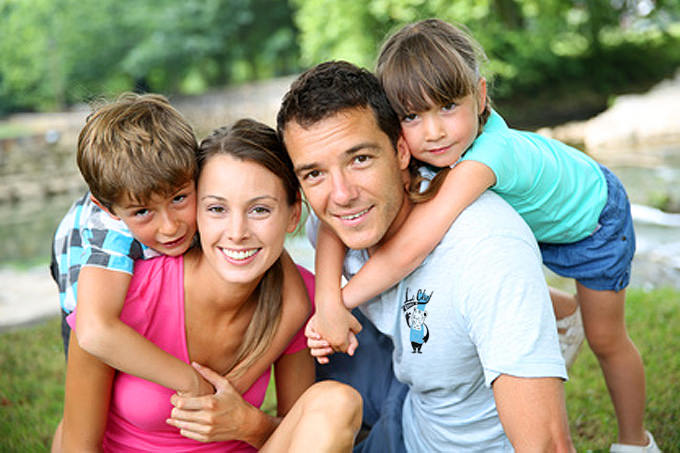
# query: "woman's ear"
[104,208]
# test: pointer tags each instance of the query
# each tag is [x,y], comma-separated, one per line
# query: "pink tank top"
[154,307]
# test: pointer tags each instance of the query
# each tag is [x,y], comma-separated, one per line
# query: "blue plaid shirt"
[88,236]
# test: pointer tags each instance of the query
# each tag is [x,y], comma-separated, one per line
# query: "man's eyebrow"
[350,152]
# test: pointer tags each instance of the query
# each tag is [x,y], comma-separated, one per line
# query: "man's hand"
[221,416]
[320,348]
[335,323]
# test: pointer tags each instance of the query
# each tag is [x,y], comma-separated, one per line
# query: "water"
[26,229]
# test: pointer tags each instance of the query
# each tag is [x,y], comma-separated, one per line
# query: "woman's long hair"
[256,142]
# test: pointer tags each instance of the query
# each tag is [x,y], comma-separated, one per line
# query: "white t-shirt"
[477,307]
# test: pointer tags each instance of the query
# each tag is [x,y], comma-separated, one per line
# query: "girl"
[218,305]
[577,209]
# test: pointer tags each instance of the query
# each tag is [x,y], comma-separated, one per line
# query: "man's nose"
[343,190]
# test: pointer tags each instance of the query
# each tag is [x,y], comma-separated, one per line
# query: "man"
[473,329]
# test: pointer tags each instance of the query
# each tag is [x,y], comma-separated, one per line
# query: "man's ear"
[104,208]
[481,90]
[295,215]
[403,153]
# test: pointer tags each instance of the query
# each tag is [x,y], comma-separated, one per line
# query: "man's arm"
[533,413]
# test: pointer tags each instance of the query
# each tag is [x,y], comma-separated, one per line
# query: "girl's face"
[440,135]
[243,217]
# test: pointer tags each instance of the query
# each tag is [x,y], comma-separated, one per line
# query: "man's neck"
[399,219]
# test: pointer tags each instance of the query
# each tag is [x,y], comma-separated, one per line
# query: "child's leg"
[604,322]
[564,304]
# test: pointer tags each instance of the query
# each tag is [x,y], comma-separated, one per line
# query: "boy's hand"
[320,348]
[335,323]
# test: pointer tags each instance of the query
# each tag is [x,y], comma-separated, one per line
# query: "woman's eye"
[260,210]
[216,209]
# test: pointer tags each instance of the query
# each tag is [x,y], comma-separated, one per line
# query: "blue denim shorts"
[602,261]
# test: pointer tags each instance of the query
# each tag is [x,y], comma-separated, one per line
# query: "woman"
[218,306]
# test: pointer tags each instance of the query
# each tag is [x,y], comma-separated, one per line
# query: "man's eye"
[313,174]
[362,159]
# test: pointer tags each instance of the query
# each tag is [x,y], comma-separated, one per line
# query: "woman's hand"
[222,416]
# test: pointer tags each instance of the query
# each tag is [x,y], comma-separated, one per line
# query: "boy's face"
[440,135]
[167,224]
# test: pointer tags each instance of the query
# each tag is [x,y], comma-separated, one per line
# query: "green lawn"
[32,367]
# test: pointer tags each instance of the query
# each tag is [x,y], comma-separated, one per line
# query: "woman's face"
[243,217]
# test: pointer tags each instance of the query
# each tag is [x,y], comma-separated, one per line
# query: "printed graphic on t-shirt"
[415,314]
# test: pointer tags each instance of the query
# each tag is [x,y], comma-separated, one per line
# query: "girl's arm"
[86,405]
[100,332]
[424,228]
[332,320]
[295,311]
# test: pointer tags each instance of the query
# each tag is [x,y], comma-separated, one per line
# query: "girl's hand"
[320,348]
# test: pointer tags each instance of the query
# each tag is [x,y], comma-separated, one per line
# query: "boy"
[137,156]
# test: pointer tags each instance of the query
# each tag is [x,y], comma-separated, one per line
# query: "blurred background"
[599,74]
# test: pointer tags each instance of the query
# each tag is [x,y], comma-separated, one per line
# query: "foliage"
[57,52]
[32,367]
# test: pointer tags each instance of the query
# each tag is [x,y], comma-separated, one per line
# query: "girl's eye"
[409,117]
[448,107]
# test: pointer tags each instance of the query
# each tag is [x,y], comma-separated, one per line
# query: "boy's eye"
[141,212]
[179,198]
[409,117]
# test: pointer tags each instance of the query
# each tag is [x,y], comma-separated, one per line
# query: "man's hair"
[332,87]
[430,61]
[138,146]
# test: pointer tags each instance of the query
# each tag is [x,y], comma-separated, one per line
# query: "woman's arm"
[294,373]
[86,405]
[424,228]
[295,311]
[100,332]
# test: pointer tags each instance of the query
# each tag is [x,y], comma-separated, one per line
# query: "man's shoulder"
[489,215]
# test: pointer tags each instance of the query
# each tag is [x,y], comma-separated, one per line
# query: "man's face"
[351,174]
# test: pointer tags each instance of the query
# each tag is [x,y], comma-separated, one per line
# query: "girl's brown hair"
[253,141]
[430,62]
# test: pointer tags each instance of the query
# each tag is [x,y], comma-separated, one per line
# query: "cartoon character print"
[415,314]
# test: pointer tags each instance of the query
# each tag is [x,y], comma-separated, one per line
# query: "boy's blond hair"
[138,146]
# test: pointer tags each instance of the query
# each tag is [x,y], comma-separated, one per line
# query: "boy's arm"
[424,228]
[332,319]
[294,312]
[100,332]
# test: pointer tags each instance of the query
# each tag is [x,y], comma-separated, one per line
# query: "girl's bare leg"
[326,418]
[604,322]
[564,304]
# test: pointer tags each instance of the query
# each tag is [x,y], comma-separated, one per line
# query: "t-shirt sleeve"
[107,243]
[510,317]
[496,153]
[299,341]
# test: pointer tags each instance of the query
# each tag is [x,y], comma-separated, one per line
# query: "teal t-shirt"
[558,190]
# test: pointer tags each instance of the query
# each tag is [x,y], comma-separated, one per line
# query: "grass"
[32,372]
